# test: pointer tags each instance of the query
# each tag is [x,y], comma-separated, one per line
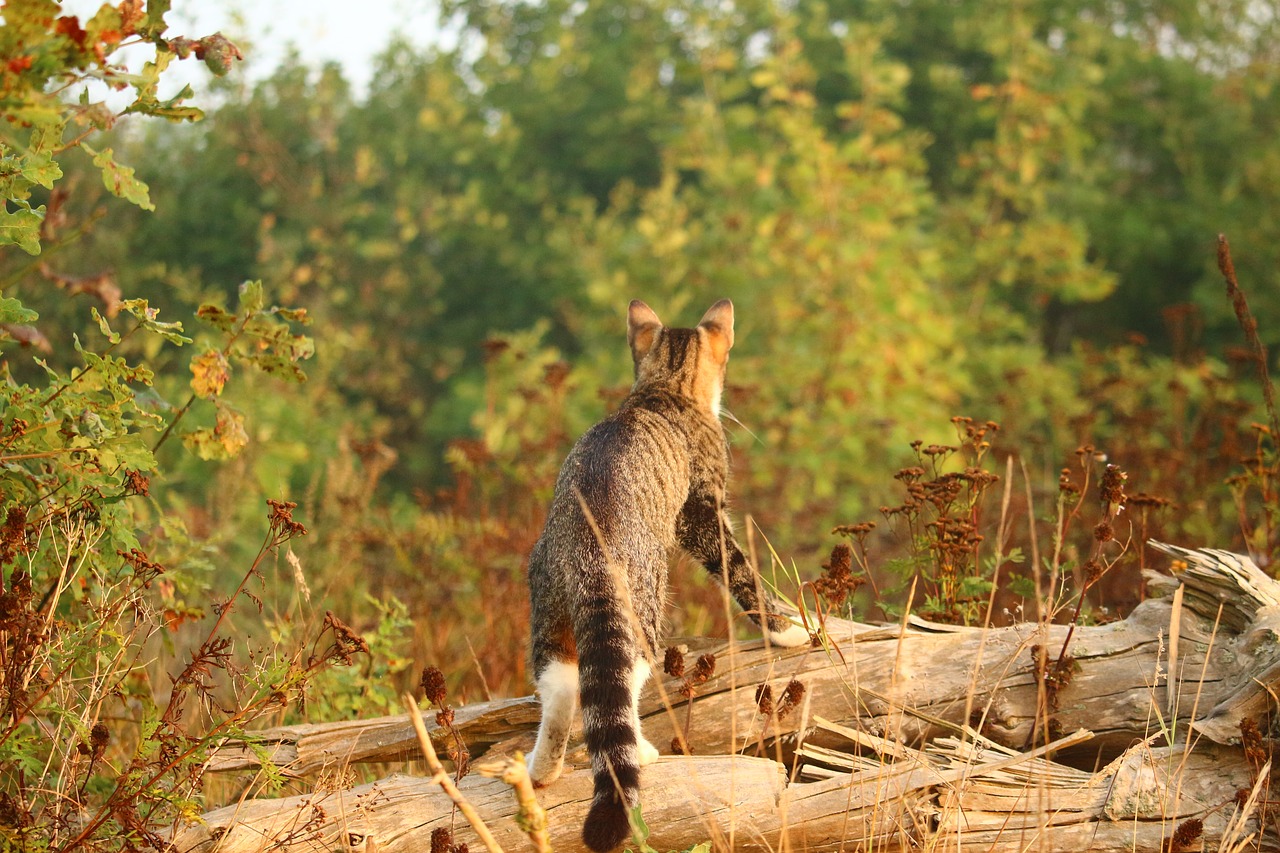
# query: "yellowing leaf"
[224,440]
[229,430]
[120,180]
[209,373]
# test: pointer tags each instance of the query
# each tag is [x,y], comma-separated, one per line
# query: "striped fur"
[643,482]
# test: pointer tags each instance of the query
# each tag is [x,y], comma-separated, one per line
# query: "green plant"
[56,70]
[94,754]
[115,682]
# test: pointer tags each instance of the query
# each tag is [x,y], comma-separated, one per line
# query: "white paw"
[646,753]
[794,636]
[543,771]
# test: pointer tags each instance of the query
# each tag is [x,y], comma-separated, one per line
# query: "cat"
[646,480]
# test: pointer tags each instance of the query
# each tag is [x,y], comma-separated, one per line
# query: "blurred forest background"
[921,210]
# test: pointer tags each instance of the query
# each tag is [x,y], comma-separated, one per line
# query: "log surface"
[882,749]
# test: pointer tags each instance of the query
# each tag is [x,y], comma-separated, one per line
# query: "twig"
[1250,327]
[442,778]
[530,817]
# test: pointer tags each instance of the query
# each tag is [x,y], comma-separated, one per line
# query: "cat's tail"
[611,672]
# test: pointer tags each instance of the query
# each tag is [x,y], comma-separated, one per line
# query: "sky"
[351,32]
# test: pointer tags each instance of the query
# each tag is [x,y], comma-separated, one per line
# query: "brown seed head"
[433,686]
[764,699]
[792,695]
[837,580]
[13,535]
[673,662]
[703,669]
[346,642]
[909,475]
[1111,489]
[136,483]
[1186,834]
[281,518]
[1251,739]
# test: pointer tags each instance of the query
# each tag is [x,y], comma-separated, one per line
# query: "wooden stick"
[442,778]
[530,816]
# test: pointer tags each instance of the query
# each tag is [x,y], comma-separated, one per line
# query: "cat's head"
[691,361]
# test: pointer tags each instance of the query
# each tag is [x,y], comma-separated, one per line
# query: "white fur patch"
[639,675]
[792,637]
[646,752]
[558,691]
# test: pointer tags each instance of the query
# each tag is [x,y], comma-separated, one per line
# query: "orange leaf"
[210,373]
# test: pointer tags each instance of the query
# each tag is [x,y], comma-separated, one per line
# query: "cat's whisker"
[725,413]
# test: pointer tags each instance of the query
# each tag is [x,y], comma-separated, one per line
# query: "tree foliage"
[920,210]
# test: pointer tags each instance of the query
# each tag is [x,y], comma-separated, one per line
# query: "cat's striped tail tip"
[606,826]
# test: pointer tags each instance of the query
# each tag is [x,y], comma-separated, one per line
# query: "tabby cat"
[644,481]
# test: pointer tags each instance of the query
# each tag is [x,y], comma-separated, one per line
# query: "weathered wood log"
[912,682]
[1208,653]
[954,795]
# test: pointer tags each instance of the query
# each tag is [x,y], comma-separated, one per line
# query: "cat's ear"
[718,321]
[642,329]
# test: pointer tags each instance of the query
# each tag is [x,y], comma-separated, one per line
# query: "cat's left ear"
[643,326]
[718,321]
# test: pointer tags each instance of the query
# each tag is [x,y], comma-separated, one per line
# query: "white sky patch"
[349,33]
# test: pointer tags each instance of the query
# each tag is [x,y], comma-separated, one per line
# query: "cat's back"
[631,468]
[630,475]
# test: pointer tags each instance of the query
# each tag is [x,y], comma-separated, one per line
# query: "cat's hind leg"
[558,692]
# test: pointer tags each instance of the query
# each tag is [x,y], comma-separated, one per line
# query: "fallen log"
[929,703]
[954,795]
[913,682]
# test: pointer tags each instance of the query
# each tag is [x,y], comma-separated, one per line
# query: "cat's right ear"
[642,329]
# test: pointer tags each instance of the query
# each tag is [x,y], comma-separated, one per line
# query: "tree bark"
[908,735]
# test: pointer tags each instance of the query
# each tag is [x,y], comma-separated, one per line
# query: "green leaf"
[640,831]
[252,298]
[40,168]
[13,311]
[1022,586]
[120,180]
[140,308]
[973,587]
[148,102]
[21,228]
[153,24]
[111,336]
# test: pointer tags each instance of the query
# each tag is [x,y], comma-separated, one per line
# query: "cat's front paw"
[543,771]
[646,753]
[788,638]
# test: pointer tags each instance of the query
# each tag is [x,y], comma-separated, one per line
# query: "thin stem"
[442,779]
